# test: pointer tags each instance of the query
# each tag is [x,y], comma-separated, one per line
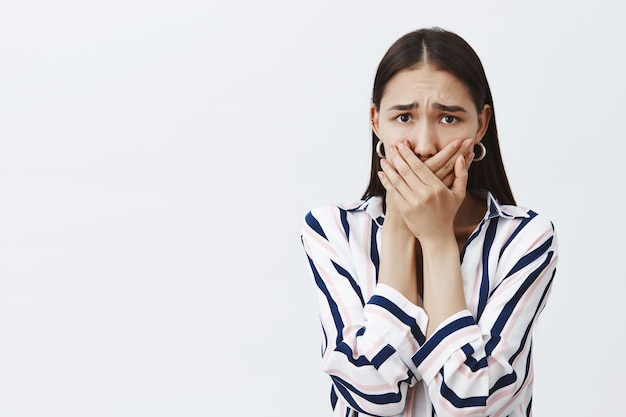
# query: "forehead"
[425,84]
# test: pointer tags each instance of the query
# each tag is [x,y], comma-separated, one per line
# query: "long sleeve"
[477,363]
[368,340]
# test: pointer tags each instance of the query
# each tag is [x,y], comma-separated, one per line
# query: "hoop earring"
[483,152]
[379,150]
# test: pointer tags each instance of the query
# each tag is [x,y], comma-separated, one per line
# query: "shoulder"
[527,219]
[516,217]
[524,232]
[333,219]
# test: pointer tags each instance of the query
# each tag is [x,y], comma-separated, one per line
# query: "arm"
[428,208]
[368,344]
[474,365]
[478,365]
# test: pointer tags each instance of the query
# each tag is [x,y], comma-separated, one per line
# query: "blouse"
[476,363]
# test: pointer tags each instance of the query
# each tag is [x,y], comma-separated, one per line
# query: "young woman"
[433,313]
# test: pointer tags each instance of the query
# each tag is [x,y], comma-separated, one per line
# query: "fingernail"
[467,143]
[383,163]
[401,145]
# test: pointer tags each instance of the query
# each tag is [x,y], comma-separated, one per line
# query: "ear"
[374,119]
[484,117]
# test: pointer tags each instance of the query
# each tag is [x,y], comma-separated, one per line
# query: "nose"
[425,141]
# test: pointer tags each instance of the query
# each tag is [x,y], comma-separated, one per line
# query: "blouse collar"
[373,205]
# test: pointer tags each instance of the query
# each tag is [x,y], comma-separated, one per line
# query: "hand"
[427,205]
[442,164]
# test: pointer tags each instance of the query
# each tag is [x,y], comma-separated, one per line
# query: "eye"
[449,120]
[404,118]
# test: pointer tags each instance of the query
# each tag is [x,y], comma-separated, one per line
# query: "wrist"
[397,228]
[439,243]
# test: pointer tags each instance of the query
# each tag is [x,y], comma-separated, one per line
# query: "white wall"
[157,158]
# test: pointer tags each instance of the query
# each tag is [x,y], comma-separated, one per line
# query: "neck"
[472,210]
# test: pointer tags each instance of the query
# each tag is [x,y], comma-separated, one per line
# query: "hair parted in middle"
[445,51]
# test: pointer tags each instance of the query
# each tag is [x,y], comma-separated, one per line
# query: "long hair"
[448,52]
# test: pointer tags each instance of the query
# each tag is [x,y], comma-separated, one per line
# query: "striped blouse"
[477,363]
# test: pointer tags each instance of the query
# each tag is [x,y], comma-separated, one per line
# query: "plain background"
[157,159]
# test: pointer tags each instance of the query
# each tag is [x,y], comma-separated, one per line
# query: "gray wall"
[157,158]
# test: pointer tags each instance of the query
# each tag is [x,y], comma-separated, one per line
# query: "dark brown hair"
[448,52]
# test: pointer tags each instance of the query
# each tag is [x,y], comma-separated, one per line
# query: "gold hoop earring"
[379,149]
[483,152]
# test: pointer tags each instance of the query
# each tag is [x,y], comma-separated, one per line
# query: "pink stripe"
[454,339]
[383,387]
[393,321]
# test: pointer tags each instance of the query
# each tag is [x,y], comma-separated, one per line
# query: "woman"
[433,313]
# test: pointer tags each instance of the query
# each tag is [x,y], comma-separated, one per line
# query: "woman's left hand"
[427,205]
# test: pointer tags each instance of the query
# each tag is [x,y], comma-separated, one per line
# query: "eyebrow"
[450,109]
[438,106]
[404,107]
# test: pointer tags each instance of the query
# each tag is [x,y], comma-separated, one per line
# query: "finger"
[448,165]
[384,180]
[392,180]
[448,180]
[443,160]
[469,158]
[404,160]
[415,173]
[460,181]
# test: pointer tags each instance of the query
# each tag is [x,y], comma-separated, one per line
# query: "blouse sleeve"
[473,364]
[368,345]
[479,366]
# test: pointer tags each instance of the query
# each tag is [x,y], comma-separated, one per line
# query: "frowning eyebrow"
[449,109]
[404,107]
[438,106]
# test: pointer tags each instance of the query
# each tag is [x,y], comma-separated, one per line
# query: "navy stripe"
[374,248]
[344,348]
[343,215]
[325,345]
[351,280]
[315,225]
[346,390]
[509,307]
[334,309]
[526,371]
[471,238]
[439,336]
[526,260]
[530,257]
[382,356]
[471,362]
[518,229]
[333,397]
[490,234]
[493,210]
[504,381]
[400,315]
[537,311]
[459,402]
